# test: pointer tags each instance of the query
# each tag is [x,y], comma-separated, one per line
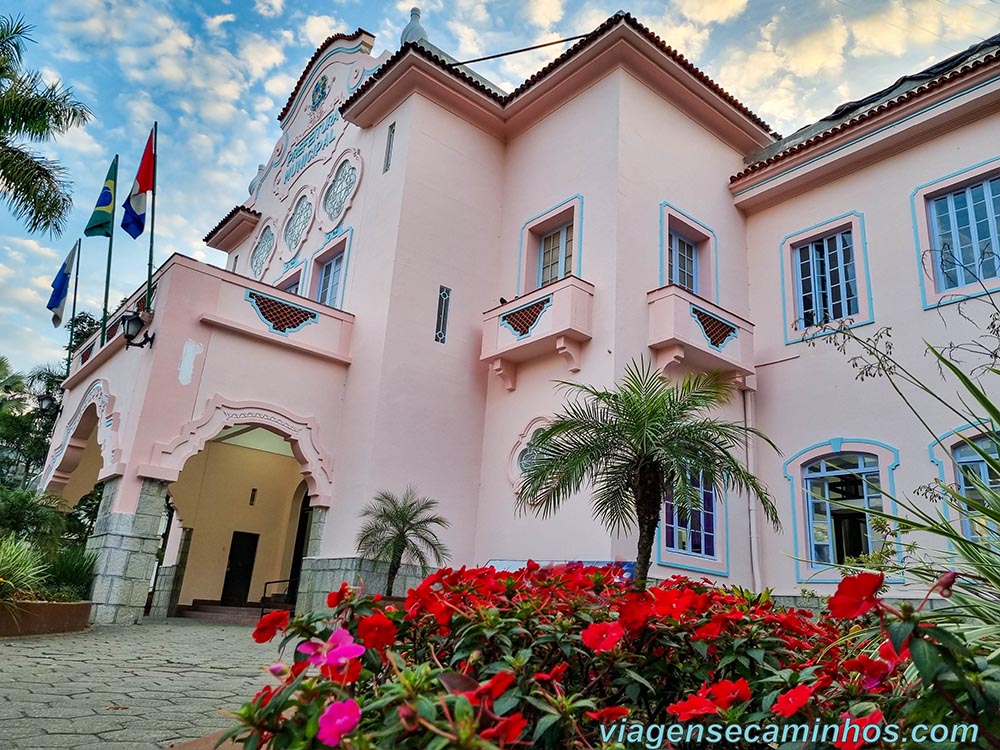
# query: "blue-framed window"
[691,532]
[683,265]
[555,255]
[826,280]
[841,531]
[292,287]
[965,230]
[328,289]
[971,465]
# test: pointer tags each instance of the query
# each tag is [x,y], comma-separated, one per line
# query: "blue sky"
[215,74]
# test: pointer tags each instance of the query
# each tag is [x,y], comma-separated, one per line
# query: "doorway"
[239,569]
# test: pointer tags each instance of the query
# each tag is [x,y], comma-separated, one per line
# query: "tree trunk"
[647,507]
[394,565]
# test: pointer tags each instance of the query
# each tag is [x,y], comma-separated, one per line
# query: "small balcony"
[554,319]
[683,327]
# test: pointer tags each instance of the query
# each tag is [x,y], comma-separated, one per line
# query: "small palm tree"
[35,188]
[400,529]
[636,445]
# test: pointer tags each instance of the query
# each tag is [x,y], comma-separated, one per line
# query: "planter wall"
[36,618]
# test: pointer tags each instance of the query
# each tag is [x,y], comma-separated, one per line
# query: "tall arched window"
[843,530]
[970,468]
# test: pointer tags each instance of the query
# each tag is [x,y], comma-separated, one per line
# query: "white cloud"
[31,246]
[544,13]
[81,141]
[260,54]
[687,38]
[24,294]
[820,51]
[470,44]
[280,85]
[5,272]
[711,11]
[214,23]
[269,8]
[42,282]
[316,29]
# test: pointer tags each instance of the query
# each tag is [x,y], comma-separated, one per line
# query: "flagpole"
[107,276]
[72,319]
[152,227]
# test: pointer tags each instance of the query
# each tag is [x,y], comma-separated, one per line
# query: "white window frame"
[823,266]
[977,260]
[565,249]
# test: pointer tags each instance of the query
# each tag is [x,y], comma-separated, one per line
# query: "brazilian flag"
[102,220]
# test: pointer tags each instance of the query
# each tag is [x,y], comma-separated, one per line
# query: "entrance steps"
[213,611]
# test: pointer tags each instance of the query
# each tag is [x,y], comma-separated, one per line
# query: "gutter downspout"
[750,446]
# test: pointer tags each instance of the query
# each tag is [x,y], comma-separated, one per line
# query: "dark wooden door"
[239,570]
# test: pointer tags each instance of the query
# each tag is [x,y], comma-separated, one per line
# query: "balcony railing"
[554,319]
[686,328]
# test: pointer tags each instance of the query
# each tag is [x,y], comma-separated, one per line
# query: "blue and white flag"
[60,287]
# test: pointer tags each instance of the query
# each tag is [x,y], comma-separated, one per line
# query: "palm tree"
[400,528]
[646,440]
[11,387]
[35,188]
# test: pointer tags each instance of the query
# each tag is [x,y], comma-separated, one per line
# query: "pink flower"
[339,718]
[338,650]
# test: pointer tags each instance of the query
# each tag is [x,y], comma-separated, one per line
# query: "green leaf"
[543,725]
[926,658]
[701,647]
[438,743]
[426,708]
[899,632]
[638,678]
[506,702]
[757,654]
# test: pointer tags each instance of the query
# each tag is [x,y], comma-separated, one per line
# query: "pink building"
[360,337]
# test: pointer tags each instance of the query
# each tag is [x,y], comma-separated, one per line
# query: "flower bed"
[37,618]
[544,657]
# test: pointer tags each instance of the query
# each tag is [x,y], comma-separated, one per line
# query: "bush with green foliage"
[22,569]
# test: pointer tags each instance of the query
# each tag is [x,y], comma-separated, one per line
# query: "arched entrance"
[244,482]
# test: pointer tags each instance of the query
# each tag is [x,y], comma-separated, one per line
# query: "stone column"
[169,579]
[126,546]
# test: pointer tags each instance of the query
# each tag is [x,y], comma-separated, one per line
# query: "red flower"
[792,700]
[506,730]
[727,692]
[269,625]
[851,738]
[634,611]
[608,715]
[334,598]
[346,675]
[264,695]
[602,636]
[554,676]
[377,631]
[491,689]
[856,595]
[709,631]
[888,652]
[696,705]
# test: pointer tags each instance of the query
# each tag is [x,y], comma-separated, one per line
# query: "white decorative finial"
[413,32]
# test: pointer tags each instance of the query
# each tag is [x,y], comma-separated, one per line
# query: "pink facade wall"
[393,407]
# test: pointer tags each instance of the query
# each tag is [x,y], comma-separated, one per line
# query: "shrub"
[71,573]
[22,569]
[545,658]
[27,515]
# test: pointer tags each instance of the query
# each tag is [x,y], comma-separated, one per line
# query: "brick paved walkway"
[126,688]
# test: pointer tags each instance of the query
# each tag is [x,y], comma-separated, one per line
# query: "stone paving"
[141,687]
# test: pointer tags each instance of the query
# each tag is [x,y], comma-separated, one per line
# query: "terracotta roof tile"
[225,219]
[577,48]
[856,118]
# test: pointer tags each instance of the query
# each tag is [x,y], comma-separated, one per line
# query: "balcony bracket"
[569,349]
[506,371]
[668,356]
